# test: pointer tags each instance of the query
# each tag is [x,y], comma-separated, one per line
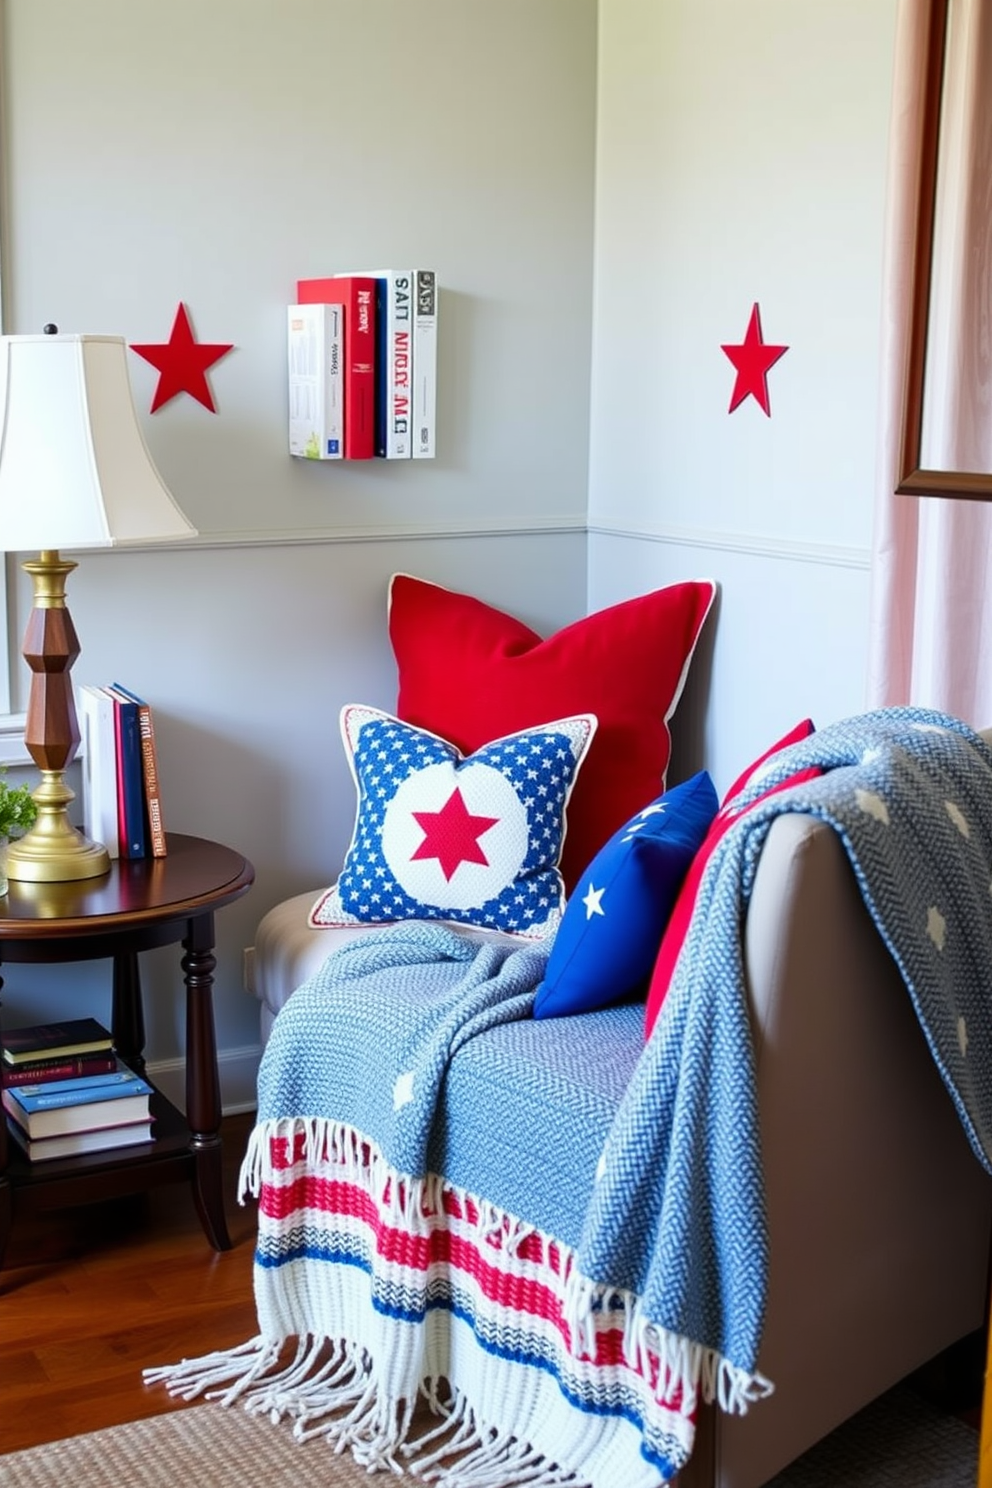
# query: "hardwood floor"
[90,1296]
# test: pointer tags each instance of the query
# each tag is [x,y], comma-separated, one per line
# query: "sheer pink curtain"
[931,594]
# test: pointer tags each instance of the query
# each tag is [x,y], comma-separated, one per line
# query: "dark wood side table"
[136,906]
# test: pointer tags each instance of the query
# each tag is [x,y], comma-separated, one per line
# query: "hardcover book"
[316,349]
[56,1040]
[32,1071]
[92,1109]
[393,360]
[358,294]
[130,777]
[71,1144]
[425,306]
[45,1095]
[99,766]
[149,771]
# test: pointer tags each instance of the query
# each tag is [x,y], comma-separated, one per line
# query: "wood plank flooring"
[90,1296]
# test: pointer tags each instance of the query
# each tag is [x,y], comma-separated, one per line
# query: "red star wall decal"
[752,358]
[452,835]
[181,363]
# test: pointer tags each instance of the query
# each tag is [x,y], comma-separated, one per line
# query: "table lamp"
[75,472]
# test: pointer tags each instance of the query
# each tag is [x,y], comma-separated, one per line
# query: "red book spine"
[72,1068]
[357,294]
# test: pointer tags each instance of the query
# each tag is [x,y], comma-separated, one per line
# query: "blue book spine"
[119,1076]
[132,780]
[30,1100]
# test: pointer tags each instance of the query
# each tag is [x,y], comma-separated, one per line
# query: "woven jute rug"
[898,1442]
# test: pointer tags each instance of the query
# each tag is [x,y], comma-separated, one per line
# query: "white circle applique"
[455,838]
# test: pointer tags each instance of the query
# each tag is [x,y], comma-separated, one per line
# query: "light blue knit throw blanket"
[675,1213]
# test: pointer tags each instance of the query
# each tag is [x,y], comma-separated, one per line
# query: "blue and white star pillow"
[609,936]
[438,836]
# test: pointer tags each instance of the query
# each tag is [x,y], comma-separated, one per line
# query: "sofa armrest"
[879,1213]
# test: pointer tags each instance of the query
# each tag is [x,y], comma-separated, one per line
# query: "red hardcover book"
[70,1068]
[357,293]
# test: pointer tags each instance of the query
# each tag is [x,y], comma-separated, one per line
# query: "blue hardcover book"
[120,1075]
[56,1094]
[130,776]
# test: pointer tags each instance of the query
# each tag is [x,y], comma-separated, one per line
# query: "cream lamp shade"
[75,472]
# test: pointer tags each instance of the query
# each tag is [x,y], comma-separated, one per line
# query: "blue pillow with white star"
[439,836]
[613,923]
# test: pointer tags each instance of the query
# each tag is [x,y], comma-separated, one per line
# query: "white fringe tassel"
[330,1387]
[461,1452]
[484,1457]
[683,1366]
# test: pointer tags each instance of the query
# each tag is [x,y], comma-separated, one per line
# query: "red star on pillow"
[452,835]
[182,363]
[753,358]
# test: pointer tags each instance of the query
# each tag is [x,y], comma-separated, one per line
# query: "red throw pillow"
[473,674]
[678,921]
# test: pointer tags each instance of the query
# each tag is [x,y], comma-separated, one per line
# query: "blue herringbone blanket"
[672,1212]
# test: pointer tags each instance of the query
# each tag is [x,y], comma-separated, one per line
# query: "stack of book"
[122,799]
[363,366]
[66,1092]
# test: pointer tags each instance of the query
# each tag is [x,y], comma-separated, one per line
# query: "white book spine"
[398,346]
[99,766]
[424,363]
[316,381]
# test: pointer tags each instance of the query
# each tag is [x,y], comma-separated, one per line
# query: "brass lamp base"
[54,851]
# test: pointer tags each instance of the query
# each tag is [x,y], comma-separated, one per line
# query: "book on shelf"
[60,1107]
[72,1144]
[316,381]
[149,772]
[99,766]
[69,1067]
[424,335]
[393,361]
[357,293]
[45,1095]
[75,1036]
[130,777]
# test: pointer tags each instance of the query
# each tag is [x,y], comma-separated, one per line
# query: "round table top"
[195,877]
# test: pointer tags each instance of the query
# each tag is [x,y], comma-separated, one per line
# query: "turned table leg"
[203,1108]
[128,1018]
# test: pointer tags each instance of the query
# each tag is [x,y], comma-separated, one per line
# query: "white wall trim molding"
[238,1070]
[824,554]
[390,532]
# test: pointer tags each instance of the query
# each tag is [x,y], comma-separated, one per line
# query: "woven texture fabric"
[368,1077]
[909,792]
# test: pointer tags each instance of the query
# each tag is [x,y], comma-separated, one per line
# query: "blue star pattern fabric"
[613,923]
[437,836]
